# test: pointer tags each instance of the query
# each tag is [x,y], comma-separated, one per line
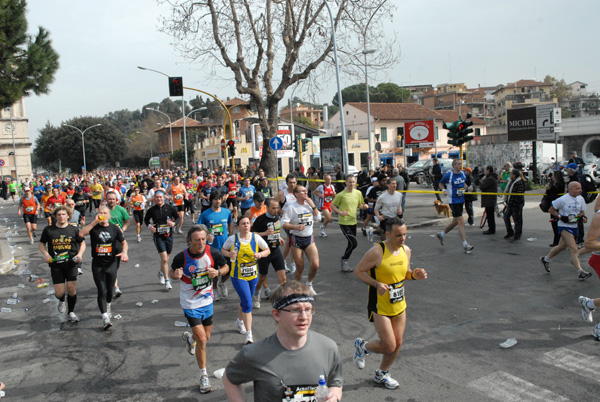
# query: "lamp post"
[82,140]
[170,124]
[185,134]
[339,88]
[182,113]
[14,147]
[365,52]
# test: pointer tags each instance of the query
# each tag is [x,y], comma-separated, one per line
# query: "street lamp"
[185,133]
[82,140]
[365,52]
[182,113]
[170,124]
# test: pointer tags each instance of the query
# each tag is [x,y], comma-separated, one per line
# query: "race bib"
[96,192]
[79,203]
[201,281]
[61,258]
[137,203]
[29,209]
[305,219]
[299,393]
[460,192]
[328,199]
[216,230]
[104,250]
[248,269]
[163,229]
[396,292]
[178,196]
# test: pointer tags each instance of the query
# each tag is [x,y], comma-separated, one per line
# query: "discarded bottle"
[6,310]
[15,295]
[235,253]
[322,391]
[46,301]
[12,301]
[21,285]
[509,343]
[42,285]
[219,373]
[139,304]
[154,301]
[181,324]
[532,239]
[118,317]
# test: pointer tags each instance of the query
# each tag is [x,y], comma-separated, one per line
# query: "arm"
[87,229]
[235,393]
[335,394]
[371,260]
[123,254]
[42,247]
[126,225]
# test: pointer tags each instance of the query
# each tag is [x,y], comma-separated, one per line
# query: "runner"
[29,208]
[258,208]
[204,194]
[264,188]
[164,218]
[13,188]
[388,205]
[97,195]
[138,201]
[325,194]
[64,250]
[284,197]
[178,194]
[385,268]
[232,189]
[108,247]
[195,267]
[345,205]
[189,199]
[298,218]
[244,249]
[268,226]
[81,203]
[219,222]
[44,202]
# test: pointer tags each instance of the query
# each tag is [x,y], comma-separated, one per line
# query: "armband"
[219,272]
[411,276]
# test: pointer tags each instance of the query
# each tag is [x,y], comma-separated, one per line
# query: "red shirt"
[232,188]
[54,202]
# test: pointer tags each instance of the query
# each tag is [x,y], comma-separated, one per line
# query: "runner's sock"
[71,301]
[590,304]
[203,371]
[465,243]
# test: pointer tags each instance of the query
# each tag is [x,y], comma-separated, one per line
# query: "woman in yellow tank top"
[385,268]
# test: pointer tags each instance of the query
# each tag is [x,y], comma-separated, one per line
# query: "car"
[417,169]
[352,170]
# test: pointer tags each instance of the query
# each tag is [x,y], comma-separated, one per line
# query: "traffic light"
[296,147]
[304,144]
[453,132]
[231,145]
[464,131]
[175,86]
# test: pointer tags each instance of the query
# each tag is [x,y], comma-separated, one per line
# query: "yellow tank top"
[391,271]
[245,266]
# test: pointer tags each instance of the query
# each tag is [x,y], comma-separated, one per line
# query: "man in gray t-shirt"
[290,361]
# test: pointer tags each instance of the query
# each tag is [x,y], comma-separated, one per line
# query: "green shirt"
[350,202]
[118,216]
[505,177]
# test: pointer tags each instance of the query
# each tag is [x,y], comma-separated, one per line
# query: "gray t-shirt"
[279,373]
[400,180]
[387,204]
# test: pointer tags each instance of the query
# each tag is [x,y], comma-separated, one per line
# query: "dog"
[442,208]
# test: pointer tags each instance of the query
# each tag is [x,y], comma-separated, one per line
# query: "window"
[364,161]
[383,134]
[236,109]
[351,159]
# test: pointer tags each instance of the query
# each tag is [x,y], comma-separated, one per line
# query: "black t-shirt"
[62,243]
[160,216]
[216,255]
[79,204]
[106,243]
[264,223]
[376,192]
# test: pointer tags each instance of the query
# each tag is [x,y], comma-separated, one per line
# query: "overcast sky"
[100,43]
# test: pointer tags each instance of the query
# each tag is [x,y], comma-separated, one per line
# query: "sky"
[101,43]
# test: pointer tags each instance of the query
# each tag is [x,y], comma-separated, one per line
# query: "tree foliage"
[104,145]
[384,92]
[27,64]
[559,89]
[267,46]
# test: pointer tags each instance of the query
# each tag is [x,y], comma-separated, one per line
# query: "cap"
[572,166]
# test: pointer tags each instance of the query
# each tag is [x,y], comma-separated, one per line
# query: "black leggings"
[350,232]
[104,277]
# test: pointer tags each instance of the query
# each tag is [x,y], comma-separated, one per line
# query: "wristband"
[412,277]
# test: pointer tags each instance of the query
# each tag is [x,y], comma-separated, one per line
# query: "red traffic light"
[231,143]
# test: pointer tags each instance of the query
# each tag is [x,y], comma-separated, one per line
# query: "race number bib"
[163,229]
[328,199]
[305,219]
[178,196]
[460,192]
[61,258]
[396,292]
[104,250]
[248,269]
[216,230]
[137,203]
[299,393]
[200,281]
[29,209]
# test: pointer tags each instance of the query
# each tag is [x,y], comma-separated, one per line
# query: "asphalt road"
[456,321]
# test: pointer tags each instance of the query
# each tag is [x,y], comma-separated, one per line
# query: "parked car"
[417,169]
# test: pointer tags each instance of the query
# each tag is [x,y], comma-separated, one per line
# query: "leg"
[201,336]
[436,187]
[100,281]
[391,334]
[460,222]
[554,224]
[72,294]
[517,212]
[313,259]
[349,232]
[164,264]
[327,214]
[573,250]
[299,260]
[507,215]
[491,218]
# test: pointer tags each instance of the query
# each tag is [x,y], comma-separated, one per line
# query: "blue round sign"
[276,143]
[2,162]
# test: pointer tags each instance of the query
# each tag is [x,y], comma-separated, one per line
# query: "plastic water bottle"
[235,253]
[322,391]
[181,324]
[6,310]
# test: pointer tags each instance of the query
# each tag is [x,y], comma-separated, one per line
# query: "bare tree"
[268,45]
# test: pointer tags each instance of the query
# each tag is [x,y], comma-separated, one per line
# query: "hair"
[517,173]
[287,287]
[490,168]
[297,189]
[214,195]
[103,207]
[269,200]
[509,165]
[290,176]
[389,223]
[350,176]
[111,192]
[258,196]
[194,229]
[243,217]
[62,208]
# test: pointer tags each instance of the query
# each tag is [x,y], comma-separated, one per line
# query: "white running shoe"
[249,338]
[161,278]
[204,384]
[168,285]
[266,293]
[216,295]
[311,289]
[106,324]
[287,267]
[586,312]
[383,377]
[239,325]
[190,343]
[62,307]
[468,248]
[139,238]
[596,331]
[256,301]
[31,241]
[346,266]
[293,267]
[359,353]
[180,231]
[73,317]
[79,271]
[222,288]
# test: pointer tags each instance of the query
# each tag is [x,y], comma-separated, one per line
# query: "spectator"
[489,184]
[514,205]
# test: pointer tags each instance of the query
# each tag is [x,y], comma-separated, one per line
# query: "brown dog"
[442,208]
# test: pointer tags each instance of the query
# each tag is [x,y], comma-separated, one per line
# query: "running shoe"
[118,293]
[31,240]
[293,267]
[266,293]
[311,289]
[62,307]
[79,271]
[468,248]
[596,332]
[359,353]
[249,338]
[204,384]
[287,267]
[34,235]
[222,288]
[583,275]
[168,285]
[346,266]
[180,231]
[216,295]
[364,231]
[161,278]
[545,263]
[383,377]
[109,310]
[586,312]
[239,325]
[322,234]
[440,238]
[139,238]
[190,343]
[73,317]
[106,324]
[256,301]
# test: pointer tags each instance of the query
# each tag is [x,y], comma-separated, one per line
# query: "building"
[479,101]
[580,103]
[170,139]
[522,93]
[15,146]
[303,111]
[387,126]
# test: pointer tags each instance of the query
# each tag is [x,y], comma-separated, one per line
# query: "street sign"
[545,125]
[2,162]
[419,134]
[222,144]
[557,115]
[378,146]
[276,143]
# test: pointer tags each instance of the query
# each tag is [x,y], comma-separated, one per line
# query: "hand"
[382,288]
[171,223]
[445,192]
[419,273]
[281,242]
[48,259]
[152,229]
[301,228]
[210,238]
[212,273]
[124,256]
[270,231]
[344,213]
[178,273]
[257,256]
[77,259]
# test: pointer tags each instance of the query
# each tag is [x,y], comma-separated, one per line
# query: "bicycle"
[499,214]
[425,180]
